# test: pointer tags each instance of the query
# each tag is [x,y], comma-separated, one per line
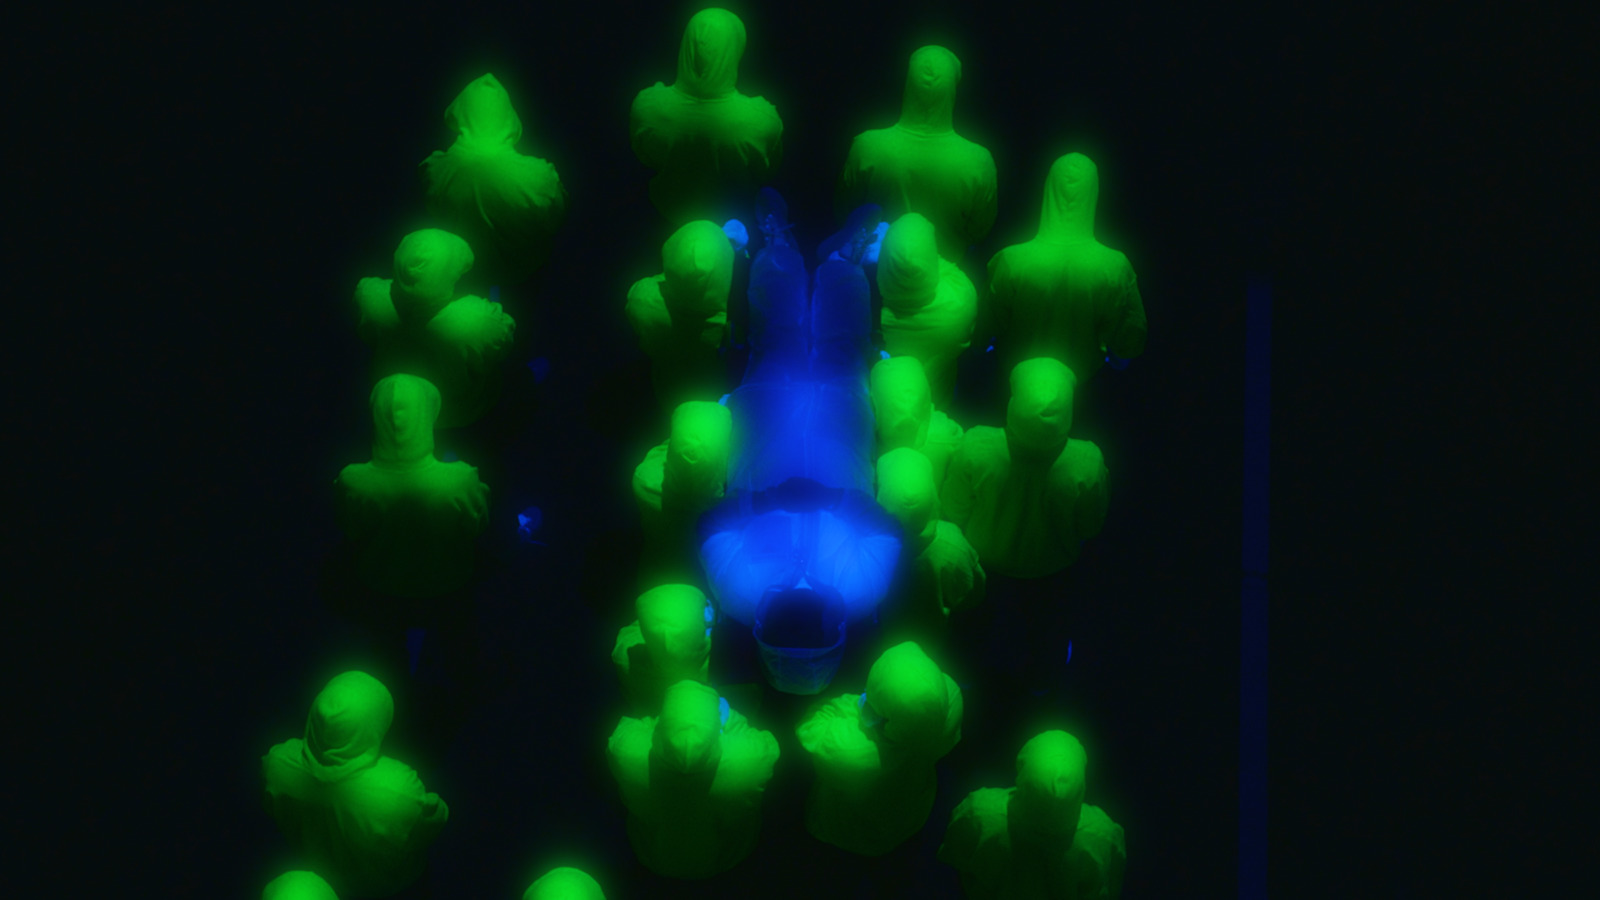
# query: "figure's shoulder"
[286,755]
[956,284]
[988,806]
[983,437]
[649,473]
[942,429]
[1084,460]
[629,744]
[628,637]
[645,304]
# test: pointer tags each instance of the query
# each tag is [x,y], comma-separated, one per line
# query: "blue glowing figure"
[738,234]
[1116,362]
[799,551]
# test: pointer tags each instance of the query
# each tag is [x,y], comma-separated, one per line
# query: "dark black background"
[208,185]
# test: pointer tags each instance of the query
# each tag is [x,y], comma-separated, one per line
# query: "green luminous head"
[930,96]
[347,724]
[708,58]
[427,265]
[404,410]
[1039,416]
[482,114]
[688,735]
[909,692]
[908,264]
[564,883]
[907,489]
[1050,784]
[698,264]
[902,402]
[673,624]
[1070,195]
[696,466]
[298,886]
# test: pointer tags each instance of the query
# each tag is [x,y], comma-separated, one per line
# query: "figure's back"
[413,528]
[944,177]
[710,154]
[1063,300]
[365,834]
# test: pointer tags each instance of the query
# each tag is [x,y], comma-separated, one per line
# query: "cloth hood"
[697,264]
[908,264]
[1070,195]
[482,114]
[906,488]
[696,466]
[347,724]
[910,693]
[427,265]
[564,884]
[1039,416]
[298,886]
[672,621]
[708,58]
[404,410]
[902,401]
[930,96]
[688,735]
[1050,782]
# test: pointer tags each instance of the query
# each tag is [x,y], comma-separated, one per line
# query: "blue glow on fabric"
[799,511]
[540,368]
[528,522]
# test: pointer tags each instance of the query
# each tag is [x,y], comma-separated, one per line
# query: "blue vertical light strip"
[1253,627]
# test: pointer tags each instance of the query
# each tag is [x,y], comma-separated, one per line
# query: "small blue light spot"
[540,368]
[989,349]
[724,399]
[528,522]
[884,354]
[1069,651]
[723,709]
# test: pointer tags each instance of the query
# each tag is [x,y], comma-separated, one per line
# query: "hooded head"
[672,621]
[1070,194]
[404,409]
[908,691]
[696,467]
[427,265]
[930,97]
[908,264]
[688,735]
[906,488]
[345,730]
[1039,416]
[708,58]
[298,886]
[564,884]
[482,115]
[1050,781]
[697,262]
[902,401]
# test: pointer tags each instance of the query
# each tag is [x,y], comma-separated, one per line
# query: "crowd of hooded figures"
[946,514]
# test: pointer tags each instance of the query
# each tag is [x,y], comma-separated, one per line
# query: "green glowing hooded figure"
[929,305]
[669,642]
[360,819]
[564,883]
[945,572]
[692,782]
[416,325]
[902,408]
[874,753]
[1027,495]
[508,206]
[298,886]
[710,146]
[921,165]
[1038,839]
[413,520]
[677,482]
[1064,294]
[681,315]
